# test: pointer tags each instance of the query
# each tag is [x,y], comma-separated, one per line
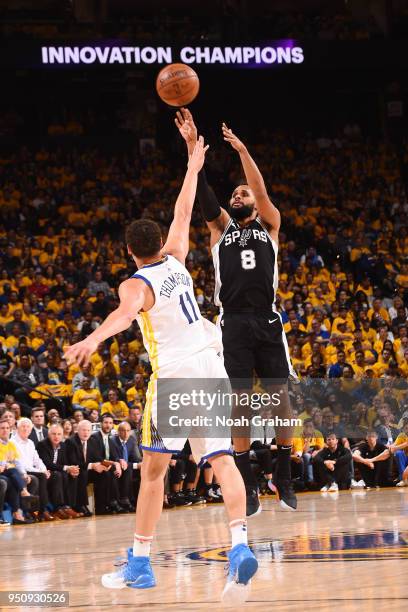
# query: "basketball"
[177,84]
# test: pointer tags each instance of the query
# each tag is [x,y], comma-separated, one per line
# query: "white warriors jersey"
[173,329]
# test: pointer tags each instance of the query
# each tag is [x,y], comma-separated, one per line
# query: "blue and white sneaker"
[136,573]
[242,566]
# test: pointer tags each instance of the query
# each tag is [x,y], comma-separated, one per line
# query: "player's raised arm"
[177,242]
[215,216]
[132,294]
[266,210]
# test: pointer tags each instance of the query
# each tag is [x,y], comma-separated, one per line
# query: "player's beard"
[241,212]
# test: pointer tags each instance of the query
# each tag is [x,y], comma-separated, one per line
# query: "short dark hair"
[143,238]
[107,415]
[37,409]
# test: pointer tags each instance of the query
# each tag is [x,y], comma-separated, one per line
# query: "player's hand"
[197,157]
[371,465]
[234,141]
[186,126]
[81,352]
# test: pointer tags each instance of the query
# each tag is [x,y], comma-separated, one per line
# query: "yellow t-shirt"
[383,313]
[88,398]
[401,438]
[119,410]
[317,441]
[134,395]
[8,453]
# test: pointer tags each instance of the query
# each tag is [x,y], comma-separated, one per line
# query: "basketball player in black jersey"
[244,245]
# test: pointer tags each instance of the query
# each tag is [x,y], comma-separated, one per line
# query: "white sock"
[239,533]
[141,545]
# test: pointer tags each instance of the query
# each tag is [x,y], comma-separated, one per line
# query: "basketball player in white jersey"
[180,344]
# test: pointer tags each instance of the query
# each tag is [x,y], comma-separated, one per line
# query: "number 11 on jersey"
[187,305]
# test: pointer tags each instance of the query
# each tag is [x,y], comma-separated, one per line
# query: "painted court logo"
[372,546]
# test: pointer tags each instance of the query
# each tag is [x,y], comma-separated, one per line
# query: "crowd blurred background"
[82,154]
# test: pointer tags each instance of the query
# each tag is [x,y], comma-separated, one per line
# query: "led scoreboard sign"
[283,53]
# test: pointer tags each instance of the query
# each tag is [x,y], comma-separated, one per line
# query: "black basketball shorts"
[254,343]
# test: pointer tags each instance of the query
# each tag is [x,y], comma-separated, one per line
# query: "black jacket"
[46,453]
[33,435]
[100,448]
[75,455]
[134,455]
[341,455]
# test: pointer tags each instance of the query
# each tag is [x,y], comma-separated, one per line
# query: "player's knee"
[153,468]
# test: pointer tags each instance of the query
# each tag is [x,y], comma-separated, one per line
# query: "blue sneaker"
[136,573]
[242,566]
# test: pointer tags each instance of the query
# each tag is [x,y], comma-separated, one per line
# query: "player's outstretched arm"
[266,210]
[177,242]
[216,217]
[132,294]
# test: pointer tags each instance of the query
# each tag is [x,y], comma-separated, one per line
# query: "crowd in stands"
[229,22]
[343,297]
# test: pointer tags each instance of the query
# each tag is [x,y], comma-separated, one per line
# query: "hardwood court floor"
[346,551]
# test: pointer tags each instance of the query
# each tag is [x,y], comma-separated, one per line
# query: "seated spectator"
[33,466]
[373,461]
[25,377]
[84,373]
[329,425]
[114,406]
[106,373]
[53,454]
[3,492]
[130,460]
[93,418]
[12,472]
[87,325]
[53,417]
[9,416]
[105,450]
[265,458]
[306,445]
[39,431]
[7,364]
[400,451]
[385,430]
[336,370]
[87,397]
[136,393]
[67,429]
[98,285]
[78,415]
[78,453]
[332,465]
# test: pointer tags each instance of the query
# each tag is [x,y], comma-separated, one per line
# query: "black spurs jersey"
[246,267]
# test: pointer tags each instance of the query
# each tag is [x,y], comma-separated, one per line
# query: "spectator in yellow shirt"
[115,406]
[400,451]
[306,445]
[377,311]
[86,397]
[135,394]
